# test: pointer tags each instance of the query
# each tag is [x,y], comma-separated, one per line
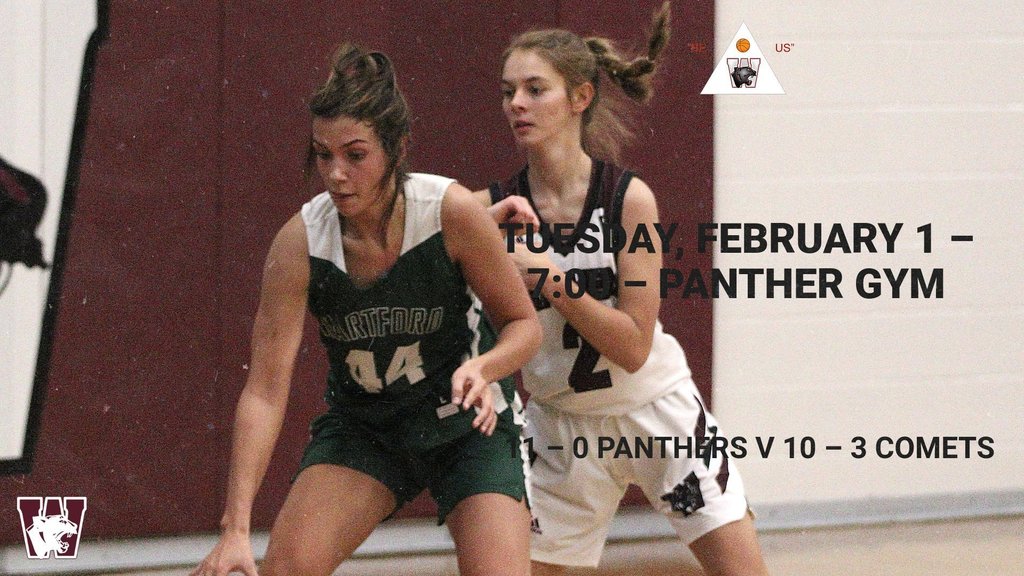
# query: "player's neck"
[559,170]
[370,225]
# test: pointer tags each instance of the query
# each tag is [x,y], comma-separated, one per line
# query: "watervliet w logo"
[52,525]
[49,63]
[743,69]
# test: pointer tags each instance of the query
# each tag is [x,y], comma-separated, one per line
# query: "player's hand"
[232,552]
[514,210]
[469,388]
[525,260]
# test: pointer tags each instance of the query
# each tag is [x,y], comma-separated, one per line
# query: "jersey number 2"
[582,377]
[406,362]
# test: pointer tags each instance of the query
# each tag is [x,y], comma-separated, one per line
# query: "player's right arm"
[276,336]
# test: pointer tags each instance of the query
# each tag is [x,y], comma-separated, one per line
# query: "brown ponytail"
[634,77]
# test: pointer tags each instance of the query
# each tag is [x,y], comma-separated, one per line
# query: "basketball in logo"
[743,44]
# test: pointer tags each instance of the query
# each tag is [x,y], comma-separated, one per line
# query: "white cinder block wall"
[894,112]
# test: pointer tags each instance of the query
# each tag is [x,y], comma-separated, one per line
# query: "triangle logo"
[743,69]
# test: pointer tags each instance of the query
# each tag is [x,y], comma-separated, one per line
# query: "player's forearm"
[257,424]
[517,342]
[612,332]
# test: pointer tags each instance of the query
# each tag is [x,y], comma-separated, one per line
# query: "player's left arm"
[623,334]
[473,241]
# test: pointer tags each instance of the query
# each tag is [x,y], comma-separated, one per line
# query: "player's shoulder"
[461,209]
[288,257]
[466,223]
[510,186]
[291,238]
[457,196]
[638,196]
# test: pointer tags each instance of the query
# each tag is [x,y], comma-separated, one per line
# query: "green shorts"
[470,464]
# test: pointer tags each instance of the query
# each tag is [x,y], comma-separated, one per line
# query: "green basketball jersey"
[394,345]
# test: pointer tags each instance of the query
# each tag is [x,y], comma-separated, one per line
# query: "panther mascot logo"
[47,534]
[52,525]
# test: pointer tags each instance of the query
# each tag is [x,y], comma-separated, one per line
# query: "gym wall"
[189,160]
[893,113]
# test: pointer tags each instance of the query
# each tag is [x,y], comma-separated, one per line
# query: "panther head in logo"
[744,76]
[48,532]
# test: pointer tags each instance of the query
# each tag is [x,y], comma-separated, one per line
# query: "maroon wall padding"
[193,160]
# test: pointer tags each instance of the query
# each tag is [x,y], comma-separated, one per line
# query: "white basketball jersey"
[568,373]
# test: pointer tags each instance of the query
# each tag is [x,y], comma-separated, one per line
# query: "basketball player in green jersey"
[392,265]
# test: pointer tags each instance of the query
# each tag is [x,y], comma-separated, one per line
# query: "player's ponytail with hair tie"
[661,30]
[634,77]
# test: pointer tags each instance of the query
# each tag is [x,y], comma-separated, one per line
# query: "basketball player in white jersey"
[606,370]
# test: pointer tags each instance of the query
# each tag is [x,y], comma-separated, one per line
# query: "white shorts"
[575,494]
